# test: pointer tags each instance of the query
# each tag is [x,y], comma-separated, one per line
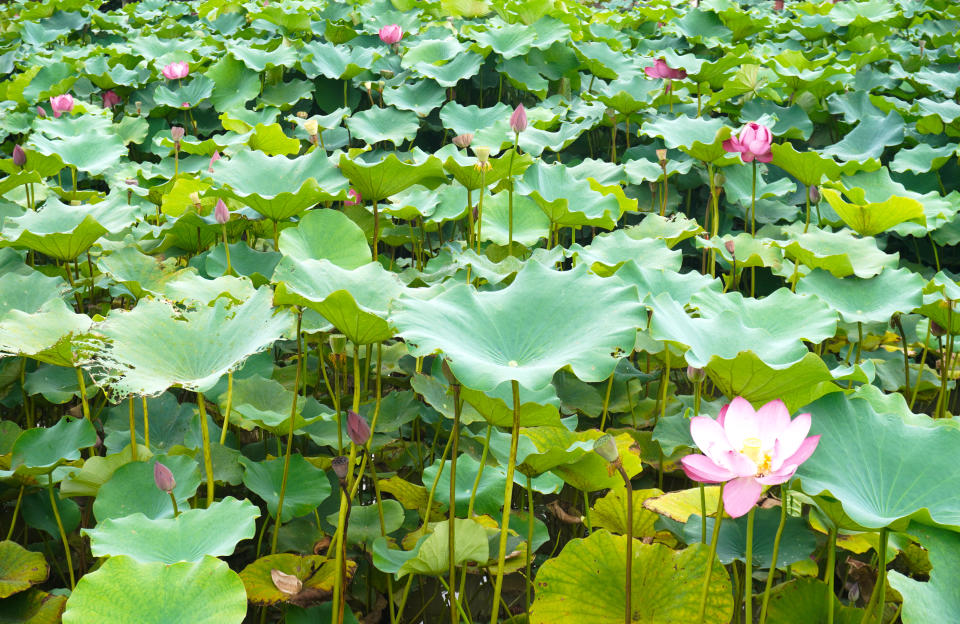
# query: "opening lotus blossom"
[753,142]
[355,198]
[660,69]
[61,104]
[748,450]
[390,34]
[175,71]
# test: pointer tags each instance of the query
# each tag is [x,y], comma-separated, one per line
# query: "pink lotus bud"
[221,213]
[174,71]
[814,193]
[110,99]
[19,156]
[213,159]
[357,428]
[731,247]
[518,120]
[163,478]
[463,141]
[41,113]
[61,104]
[357,198]
[391,34]
[777,5]
[185,105]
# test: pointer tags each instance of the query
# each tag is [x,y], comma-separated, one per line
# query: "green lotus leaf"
[433,554]
[627,95]
[259,59]
[464,171]
[472,119]
[810,168]
[34,319]
[307,486]
[335,61]
[872,300]
[326,234]
[125,591]
[421,97]
[195,533]
[317,574]
[610,512]
[57,384]
[32,607]
[607,252]
[887,482]
[671,230]
[507,40]
[570,456]
[796,544]
[493,337]
[355,301]
[529,223]
[922,158]
[41,449]
[498,410]
[463,66]
[841,253]
[244,260]
[871,219]
[448,202]
[20,568]
[759,382]
[379,180]
[131,488]
[270,139]
[154,346]
[489,495]
[384,124]
[279,187]
[233,85]
[585,583]
[364,526]
[264,403]
[654,281]
[603,61]
[566,200]
[699,137]
[95,472]
[929,601]
[88,145]
[284,95]
[801,601]
[186,96]
[867,141]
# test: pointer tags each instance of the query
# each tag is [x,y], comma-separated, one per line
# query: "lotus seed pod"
[696,374]
[606,447]
[340,465]
[482,153]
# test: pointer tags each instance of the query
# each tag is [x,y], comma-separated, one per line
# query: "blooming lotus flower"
[357,198]
[660,69]
[748,450]
[221,213]
[213,159]
[19,156]
[109,99]
[391,34]
[174,71]
[163,478]
[518,120]
[61,104]
[357,428]
[752,142]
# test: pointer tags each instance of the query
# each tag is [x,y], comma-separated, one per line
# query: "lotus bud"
[390,34]
[606,447]
[221,213]
[195,198]
[923,46]
[213,159]
[163,478]
[814,193]
[41,113]
[287,583]
[357,428]
[338,344]
[662,157]
[777,5]
[311,127]
[302,114]
[19,156]
[340,465]
[518,120]
[463,141]
[937,329]
[139,106]
[695,374]
[482,153]
[731,247]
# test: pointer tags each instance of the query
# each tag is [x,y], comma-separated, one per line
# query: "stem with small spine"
[507,496]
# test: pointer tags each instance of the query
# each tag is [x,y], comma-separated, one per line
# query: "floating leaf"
[20,568]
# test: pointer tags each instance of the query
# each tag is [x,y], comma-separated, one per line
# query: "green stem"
[63,534]
[748,573]
[753,225]
[705,591]
[176,509]
[226,412]
[133,431]
[16,510]
[528,598]
[806,225]
[290,424]
[146,424]
[205,434]
[226,247]
[881,587]
[73,176]
[606,403]
[628,585]
[83,392]
[831,571]
[507,499]
[859,341]
[516,146]
[455,607]
[483,187]
[773,563]
[376,231]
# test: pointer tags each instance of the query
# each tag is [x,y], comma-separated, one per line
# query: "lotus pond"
[418,311]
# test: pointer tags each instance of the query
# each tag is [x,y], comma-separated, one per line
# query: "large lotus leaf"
[759,382]
[841,253]
[774,327]
[213,531]
[131,488]
[566,200]
[41,449]
[922,158]
[610,512]
[184,97]
[652,282]
[463,168]
[154,346]
[529,223]
[887,480]
[378,181]
[364,526]
[796,544]
[700,137]
[867,141]
[384,124]
[568,454]
[489,493]
[872,300]
[671,230]
[934,600]
[327,234]
[801,601]
[34,320]
[233,85]
[810,168]
[335,61]
[317,574]
[355,301]
[607,252]
[95,472]
[279,187]
[507,40]
[496,406]
[870,219]
[463,66]
[421,97]
[433,554]
[32,607]
[545,320]
[585,583]
[20,568]
[125,591]
[472,119]
[270,139]
[89,144]
[307,486]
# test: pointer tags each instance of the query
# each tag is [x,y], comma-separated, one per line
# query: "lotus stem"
[753,225]
[936,255]
[276,235]
[530,525]
[606,403]
[945,353]
[483,186]
[586,512]
[880,588]
[473,493]
[831,572]
[713,554]
[516,146]
[748,571]
[146,424]
[226,412]
[133,431]
[451,546]
[859,342]
[628,586]
[923,358]
[776,551]
[73,177]
[376,231]
[507,496]
[173,499]
[806,225]
[291,423]
[906,355]
[340,536]
[226,247]
[16,510]
[63,534]
[83,391]
[205,433]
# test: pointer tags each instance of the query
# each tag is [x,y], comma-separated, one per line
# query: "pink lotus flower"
[357,198]
[752,142]
[110,99]
[391,34]
[221,213]
[660,69]
[213,159]
[747,450]
[61,104]
[174,71]
[518,120]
